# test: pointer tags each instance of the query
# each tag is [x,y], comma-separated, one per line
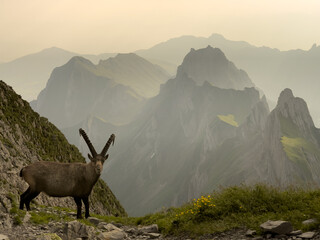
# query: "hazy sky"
[98,26]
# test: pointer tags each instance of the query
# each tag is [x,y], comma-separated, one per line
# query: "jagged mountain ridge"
[25,137]
[280,148]
[80,88]
[159,153]
[272,70]
[194,138]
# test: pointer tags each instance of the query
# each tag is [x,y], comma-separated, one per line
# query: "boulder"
[277,227]
[108,227]
[113,235]
[75,229]
[94,221]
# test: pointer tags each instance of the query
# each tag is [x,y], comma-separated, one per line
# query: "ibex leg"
[23,198]
[28,198]
[79,205]
[86,204]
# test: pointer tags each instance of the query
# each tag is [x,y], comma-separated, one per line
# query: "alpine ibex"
[65,179]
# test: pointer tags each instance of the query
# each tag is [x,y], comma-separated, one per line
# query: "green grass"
[238,207]
[45,218]
[228,119]
[17,214]
[223,210]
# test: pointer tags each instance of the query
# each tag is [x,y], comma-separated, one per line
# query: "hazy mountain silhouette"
[194,137]
[28,75]
[158,154]
[272,70]
[210,65]
[112,90]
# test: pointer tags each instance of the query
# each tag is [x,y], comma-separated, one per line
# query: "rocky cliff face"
[25,137]
[280,148]
[162,156]
[291,144]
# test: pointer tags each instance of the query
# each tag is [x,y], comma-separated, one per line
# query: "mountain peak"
[211,65]
[55,50]
[285,96]
[217,36]
[79,59]
[314,46]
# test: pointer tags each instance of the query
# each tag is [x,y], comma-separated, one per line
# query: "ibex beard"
[65,179]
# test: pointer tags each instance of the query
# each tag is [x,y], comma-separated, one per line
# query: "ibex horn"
[106,147]
[85,137]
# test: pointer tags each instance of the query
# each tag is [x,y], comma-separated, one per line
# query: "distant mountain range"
[272,70]
[28,75]
[197,135]
[193,138]
[114,90]
[158,155]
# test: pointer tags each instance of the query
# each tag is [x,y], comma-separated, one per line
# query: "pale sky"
[99,26]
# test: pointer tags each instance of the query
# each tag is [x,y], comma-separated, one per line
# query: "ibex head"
[97,159]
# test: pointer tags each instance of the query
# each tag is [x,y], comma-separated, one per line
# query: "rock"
[251,233]
[310,221]
[295,233]
[76,229]
[113,235]
[3,237]
[277,227]
[109,227]
[153,235]
[133,231]
[150,229]
[94,220]
[308,235]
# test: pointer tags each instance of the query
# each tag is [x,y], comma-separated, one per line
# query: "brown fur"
[65,179]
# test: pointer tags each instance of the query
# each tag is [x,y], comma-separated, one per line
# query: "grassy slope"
[48,142]
[296,147]
[226,209]
[237,207]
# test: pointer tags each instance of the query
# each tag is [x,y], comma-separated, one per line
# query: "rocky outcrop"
[25,137]
[290,152]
